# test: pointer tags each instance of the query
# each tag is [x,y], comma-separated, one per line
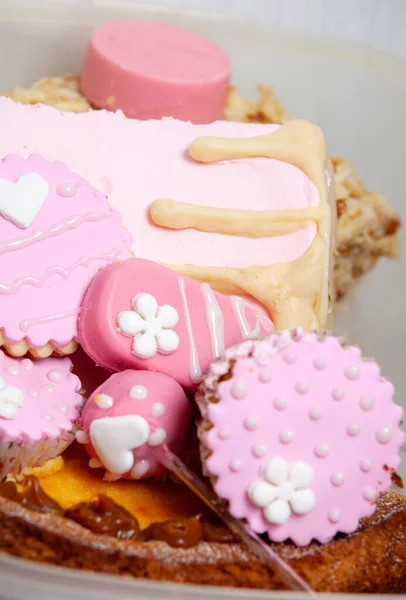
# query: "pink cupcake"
[39,406]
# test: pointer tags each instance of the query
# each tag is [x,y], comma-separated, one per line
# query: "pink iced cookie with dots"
[151,70]
[129,417]
[56,231]
[39,406]
[138,314]
[304,435]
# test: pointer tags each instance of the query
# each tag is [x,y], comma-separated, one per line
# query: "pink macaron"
[151,70]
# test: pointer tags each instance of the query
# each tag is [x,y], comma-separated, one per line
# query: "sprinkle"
[366,465]
[384,435]
[367,402]
[259,450]
[265,375]
[302,387]
[286,436]
[315,413]
[63,408]
[239,390]
[280,403]
[157,437]
[338,394]
[235,465]
[157,409]
[66,189]
[289,358]
[13,370]
[140,468]
[353,429]
[334,515]
[34,394]
[352,372]
[251,423]
[321,450]
[82,437]
[138,392]
[94,463]
[337,479]
[223,434]
[27,363]
[48,387]
[320,364]
[54,375]
[47,417]
[370,494]
[103,401]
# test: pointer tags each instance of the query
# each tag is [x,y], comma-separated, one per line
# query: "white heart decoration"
[21,201]
[114,439]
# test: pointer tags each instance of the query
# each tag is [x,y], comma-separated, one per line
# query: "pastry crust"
[373,559]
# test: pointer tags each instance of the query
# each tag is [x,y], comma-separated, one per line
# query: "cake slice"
[367,224]
[246,208]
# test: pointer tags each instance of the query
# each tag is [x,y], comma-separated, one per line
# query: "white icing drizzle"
[54,230]
[83,261]
[194,368]
[215,321]
[239,310]
[28,323]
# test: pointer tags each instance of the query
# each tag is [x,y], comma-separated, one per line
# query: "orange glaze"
[149,501]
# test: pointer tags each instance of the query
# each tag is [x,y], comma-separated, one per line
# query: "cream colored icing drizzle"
[245,328]
[28,323]
[296,293]
[83,261]
[56,229]
[215,321]
[243,223]
[194,366]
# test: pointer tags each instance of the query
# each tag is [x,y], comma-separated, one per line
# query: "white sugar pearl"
[265,375]
[280,403]
[157,409]
[286,436]
[103,401]
[337,479]
[34,394]
[315,413]
[63,408]
[321,450]
[353,429]
[54,375]
[370,494]
[94,463]
[366,465]
[157,437]
[320,364]
[138,392]
[251,423]
[338,394]
[235,465]
[334,515]
[384,435]
[82,437]
[27,363]
[48,388]
[139,469]
[289,358]
[352,372]
[13,370]
[223,433]
[367,402]
[302,387]
[66,189]
[259,450]
[239,390]
[47,417]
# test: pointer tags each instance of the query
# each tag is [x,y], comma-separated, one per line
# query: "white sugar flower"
[283,489]
[150,325]
[11,398]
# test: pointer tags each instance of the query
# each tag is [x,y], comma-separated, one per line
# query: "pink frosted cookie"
[304,435]
[138,314]
[152,70]
[56,231]
[128,417]
[39,405]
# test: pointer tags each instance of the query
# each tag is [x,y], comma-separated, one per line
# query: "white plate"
[355,93]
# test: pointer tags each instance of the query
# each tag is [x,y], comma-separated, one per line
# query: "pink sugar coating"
[345,452]
[175,420]
[47,311]
[43,414]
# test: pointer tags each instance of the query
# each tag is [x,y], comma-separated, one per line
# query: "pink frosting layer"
[305,400]
[136,162]
[50,402]
[46,267]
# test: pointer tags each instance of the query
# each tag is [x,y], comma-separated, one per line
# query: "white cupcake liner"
[15,457]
